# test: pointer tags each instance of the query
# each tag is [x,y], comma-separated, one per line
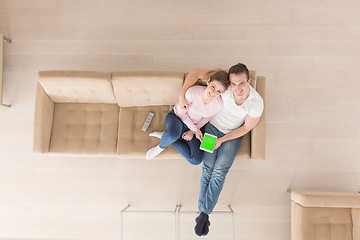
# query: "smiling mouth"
[239,92]
[211,95]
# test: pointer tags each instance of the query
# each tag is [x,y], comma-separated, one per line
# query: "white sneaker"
[156,134]
[153,152]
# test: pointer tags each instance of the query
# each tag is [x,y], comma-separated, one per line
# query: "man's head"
[239,79]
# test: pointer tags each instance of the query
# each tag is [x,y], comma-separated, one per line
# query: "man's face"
[239,83]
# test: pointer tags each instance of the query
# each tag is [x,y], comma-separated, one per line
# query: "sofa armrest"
[258,134]
[43,120]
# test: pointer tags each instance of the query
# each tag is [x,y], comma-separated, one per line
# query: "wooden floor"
[309,51]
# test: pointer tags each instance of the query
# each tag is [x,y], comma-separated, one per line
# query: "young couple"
[233,108]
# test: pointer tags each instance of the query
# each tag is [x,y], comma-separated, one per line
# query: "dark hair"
[215,75]
[239,69]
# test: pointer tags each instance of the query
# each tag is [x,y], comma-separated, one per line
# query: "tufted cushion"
[77,86]
[85,128]
[321,223]
[132,141]
[147,88]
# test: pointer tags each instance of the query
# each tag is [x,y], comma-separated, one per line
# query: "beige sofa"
[101,114]
[325,216]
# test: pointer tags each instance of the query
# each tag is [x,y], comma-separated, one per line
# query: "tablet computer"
[208,143]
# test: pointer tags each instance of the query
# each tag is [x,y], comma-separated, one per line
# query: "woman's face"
[214,89]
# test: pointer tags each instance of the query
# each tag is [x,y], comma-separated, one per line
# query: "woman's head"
[217,83]
[220,76]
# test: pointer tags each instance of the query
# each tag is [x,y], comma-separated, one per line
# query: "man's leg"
[225,158]
[207,168]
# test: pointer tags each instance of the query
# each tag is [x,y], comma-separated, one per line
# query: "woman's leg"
[190,150]
[174,130]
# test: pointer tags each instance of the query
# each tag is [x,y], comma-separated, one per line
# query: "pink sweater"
[198,113]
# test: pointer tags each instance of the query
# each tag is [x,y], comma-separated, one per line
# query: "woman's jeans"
[215,167]
[175,128]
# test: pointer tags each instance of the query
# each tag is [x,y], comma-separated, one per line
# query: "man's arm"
[249,124]
[191,79]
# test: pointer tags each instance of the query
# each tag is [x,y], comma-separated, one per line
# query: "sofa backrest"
[253,78]
[147,88]
[77,86]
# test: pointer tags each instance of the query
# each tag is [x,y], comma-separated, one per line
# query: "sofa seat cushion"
[77,86]
[132,141]
[316,223]
[85,129]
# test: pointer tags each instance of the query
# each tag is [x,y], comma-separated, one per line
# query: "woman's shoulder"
[194,92]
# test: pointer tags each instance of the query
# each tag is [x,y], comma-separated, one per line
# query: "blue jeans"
[175,128]
[215,167]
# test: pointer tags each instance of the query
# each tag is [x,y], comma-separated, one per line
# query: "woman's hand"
[218,143]
[188,135]
[183,103]
[199,135]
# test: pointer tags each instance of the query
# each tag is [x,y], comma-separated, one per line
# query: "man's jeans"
[215,167]
[175,128]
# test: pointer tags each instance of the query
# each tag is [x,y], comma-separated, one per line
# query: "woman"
[183,124]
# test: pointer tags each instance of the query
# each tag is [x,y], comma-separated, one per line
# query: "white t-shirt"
[233,116]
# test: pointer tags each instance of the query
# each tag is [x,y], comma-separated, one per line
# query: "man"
[242,110]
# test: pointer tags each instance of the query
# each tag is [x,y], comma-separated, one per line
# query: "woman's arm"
[193,76]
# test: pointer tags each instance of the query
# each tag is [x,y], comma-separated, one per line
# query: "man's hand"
[188,135]
[183,103]
[218,143]
[199,135]
[190,80]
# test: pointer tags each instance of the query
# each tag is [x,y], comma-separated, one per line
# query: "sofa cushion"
[132,141]
[85,129]
[147,88]
[312,223]
[77,86]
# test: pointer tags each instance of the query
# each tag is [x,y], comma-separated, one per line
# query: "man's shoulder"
[255,96]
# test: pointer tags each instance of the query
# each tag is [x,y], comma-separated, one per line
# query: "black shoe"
[206,227]
[200,223]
